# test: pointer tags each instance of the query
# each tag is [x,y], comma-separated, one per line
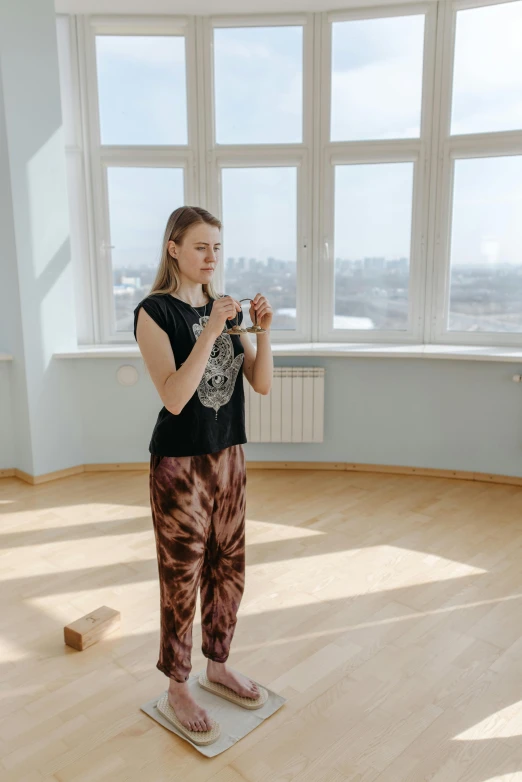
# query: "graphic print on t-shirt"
[217,384]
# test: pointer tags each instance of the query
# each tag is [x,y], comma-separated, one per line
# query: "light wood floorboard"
[385,608]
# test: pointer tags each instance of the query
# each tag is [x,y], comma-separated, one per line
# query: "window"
[142,146]
[377,69]
[260,146]
[486,262]
[376,79]
[487,82]
[260,237]
[365,164]
[140,202]
[141,89]
[258,87]
[478,254]
[373,206]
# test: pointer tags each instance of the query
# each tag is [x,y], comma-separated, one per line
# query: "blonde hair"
[168,278]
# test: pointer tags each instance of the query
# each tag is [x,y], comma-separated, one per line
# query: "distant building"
[374,265]
[398,264]
[135,282]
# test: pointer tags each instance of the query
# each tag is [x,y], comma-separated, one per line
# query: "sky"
[376,94]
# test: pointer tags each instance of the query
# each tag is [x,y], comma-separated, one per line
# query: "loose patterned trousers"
[198,514]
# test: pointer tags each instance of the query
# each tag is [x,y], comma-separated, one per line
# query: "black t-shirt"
[214,417]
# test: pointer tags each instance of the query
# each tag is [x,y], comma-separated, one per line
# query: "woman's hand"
[260,308]
[223,309]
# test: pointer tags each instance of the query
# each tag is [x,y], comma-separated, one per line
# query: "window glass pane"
[260,238]
[372,236]
[140,203]
[487,82]
[258,85]
[486,246]
[377,78]
[141,88]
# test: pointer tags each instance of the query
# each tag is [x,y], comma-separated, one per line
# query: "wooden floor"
[387,609]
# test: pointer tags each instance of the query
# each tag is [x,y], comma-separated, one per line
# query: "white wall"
[35,247]
[10,321]
[7,456]
[201,7]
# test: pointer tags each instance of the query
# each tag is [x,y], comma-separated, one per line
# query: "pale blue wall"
[445,414]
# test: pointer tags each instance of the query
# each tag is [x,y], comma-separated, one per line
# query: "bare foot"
[187,710]
[218,672]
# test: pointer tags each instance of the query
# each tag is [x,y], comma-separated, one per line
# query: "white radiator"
[293,411]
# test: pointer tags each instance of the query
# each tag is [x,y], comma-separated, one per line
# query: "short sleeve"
[156,309]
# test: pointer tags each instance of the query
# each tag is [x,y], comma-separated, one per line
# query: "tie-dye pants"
[198,514]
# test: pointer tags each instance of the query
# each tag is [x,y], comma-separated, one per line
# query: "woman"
[197,464]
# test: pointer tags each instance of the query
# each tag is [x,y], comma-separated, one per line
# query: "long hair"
[168,278]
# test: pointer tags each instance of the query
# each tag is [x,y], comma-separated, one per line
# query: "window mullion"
[90,122]
[439,196]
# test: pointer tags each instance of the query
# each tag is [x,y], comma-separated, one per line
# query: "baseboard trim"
[116,466]
[390,469]
[49,476]
[463,475]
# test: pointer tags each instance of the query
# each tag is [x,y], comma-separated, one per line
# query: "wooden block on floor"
[91,628]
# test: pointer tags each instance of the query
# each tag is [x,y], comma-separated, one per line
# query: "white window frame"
[416,151]
[77,173]
[133,156]
[452,148]
[220,156]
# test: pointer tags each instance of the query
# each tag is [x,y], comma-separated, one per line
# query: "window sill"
[352,349]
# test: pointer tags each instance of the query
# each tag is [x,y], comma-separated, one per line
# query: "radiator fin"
[293,411]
